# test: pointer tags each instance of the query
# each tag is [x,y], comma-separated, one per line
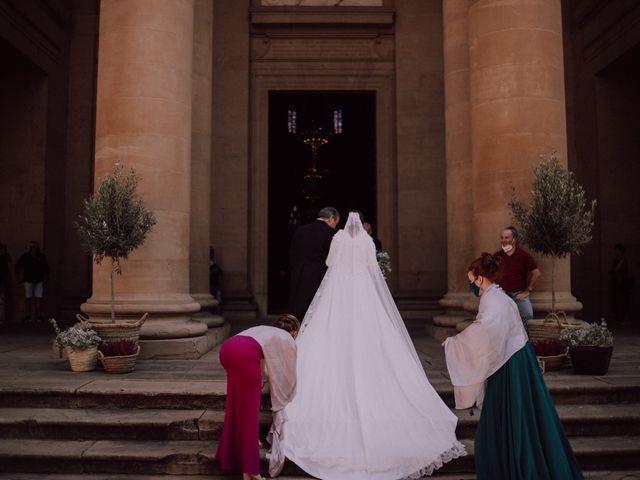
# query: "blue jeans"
[524,306]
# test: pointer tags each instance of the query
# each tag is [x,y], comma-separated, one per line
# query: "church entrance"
[322,152]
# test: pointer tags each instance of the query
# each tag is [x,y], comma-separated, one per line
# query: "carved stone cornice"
[285,47]
[42,24]
[606,29]
[322,16]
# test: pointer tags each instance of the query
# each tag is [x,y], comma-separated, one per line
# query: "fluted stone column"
[517,114]
[144,122]
[458,151]
[201,167]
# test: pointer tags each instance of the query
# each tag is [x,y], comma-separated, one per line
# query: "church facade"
[456,99]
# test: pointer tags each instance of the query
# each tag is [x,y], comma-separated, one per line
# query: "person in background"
[309,250]
[492,366]
[5,279]
[519,272]
[369,229]
[621,285]
[215,272]
[32,268]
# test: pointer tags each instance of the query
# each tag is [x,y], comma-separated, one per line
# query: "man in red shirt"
[519,272]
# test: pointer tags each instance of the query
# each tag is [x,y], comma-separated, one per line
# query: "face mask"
[475,289]
[507,248]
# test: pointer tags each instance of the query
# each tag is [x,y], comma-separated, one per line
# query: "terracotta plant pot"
[591,360]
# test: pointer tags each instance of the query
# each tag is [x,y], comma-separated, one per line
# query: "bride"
[364,408]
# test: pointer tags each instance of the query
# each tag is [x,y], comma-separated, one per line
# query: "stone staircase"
[128,435]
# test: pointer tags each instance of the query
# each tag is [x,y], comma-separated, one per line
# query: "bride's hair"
[354,210]
[287,322]
[486,265]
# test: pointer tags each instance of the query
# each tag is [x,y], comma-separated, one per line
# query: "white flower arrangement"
[591,335]
[384,262]
[77,336]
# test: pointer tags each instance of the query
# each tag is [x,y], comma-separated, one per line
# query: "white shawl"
[280,352]
[484,346]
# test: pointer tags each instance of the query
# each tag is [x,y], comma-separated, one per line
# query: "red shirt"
[513,277]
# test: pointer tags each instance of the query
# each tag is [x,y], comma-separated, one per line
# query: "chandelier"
[316,136]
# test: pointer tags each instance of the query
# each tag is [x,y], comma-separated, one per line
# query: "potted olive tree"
[113,224]
[559,220]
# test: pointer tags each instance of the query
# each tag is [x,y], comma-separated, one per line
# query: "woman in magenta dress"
[242,356]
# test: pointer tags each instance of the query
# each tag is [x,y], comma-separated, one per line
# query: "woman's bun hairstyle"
[487,266]
[287,322]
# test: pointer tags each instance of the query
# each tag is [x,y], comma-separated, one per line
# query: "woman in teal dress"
[492,366]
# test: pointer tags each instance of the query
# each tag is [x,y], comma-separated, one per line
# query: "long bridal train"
[364,408]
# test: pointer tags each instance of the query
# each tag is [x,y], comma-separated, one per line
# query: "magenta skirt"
[238,449]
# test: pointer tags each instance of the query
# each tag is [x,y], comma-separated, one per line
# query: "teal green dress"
[519,434]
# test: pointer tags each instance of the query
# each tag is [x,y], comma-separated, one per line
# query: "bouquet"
[384,262]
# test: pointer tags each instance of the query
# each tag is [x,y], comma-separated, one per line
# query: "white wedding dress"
[364,408]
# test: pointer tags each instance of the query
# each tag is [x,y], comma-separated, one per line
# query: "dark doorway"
[344,177]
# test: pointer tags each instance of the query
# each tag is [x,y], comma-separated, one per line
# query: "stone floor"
[30,365]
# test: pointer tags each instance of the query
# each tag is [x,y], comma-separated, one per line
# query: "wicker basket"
[120,364]
[553,362]
[82,360]
[551,326]
[121,329]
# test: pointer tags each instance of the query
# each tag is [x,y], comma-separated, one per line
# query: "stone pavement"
[59,424]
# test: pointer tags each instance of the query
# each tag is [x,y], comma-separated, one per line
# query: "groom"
[309,250]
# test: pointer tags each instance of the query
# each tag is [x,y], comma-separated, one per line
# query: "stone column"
[458,151]
[517,114]
[144,121]
[201,165]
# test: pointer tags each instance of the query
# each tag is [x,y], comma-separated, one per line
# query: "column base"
[455,313]
[183,348]
[565,301]
[444,325]
[208,310]
[169,317]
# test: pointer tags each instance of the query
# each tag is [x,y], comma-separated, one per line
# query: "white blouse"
[484,346]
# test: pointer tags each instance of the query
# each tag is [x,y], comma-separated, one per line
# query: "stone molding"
[313,16]
[43,24]
[357,47]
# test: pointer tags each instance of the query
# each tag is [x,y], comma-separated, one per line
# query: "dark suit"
[309,250]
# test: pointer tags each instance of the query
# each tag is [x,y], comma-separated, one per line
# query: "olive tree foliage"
[114,222]
[558,220]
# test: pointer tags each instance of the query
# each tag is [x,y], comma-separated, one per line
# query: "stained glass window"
[292,120]
[337,121]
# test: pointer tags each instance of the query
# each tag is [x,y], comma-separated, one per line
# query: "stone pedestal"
[517,110]
[143,121]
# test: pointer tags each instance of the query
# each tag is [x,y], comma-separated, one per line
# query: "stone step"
[101,424]
[196,457]
[117,392]
[205,424]
[578,420]
[66,476]
[590,475]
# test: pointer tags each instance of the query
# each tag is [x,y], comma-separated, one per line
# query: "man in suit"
[309,250]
